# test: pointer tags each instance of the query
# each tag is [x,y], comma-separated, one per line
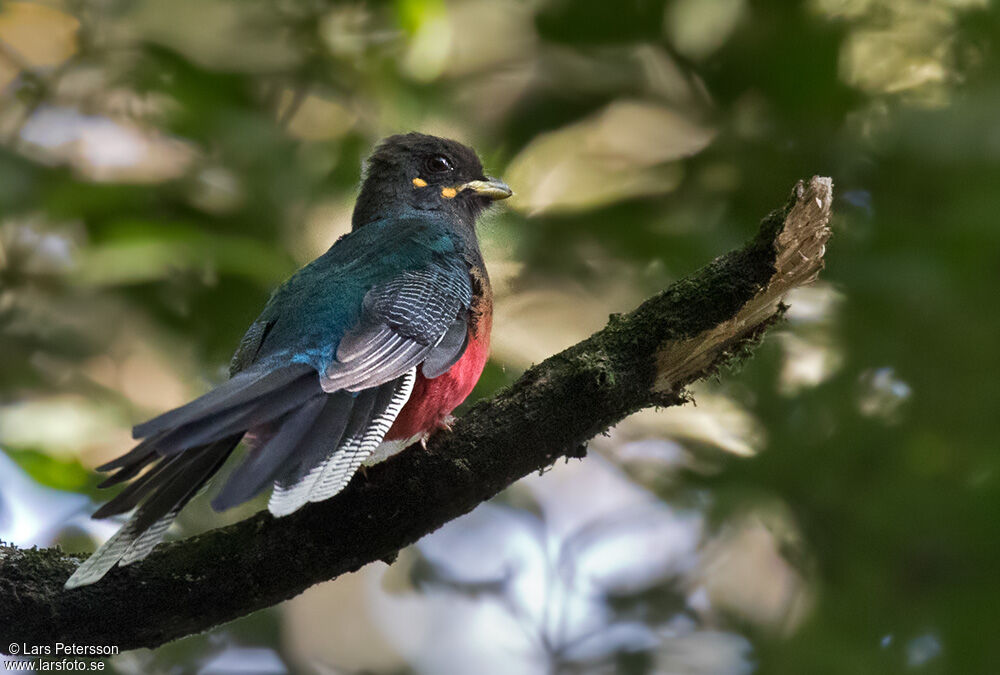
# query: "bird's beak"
[491,188]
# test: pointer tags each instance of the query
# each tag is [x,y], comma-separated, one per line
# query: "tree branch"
[638,360]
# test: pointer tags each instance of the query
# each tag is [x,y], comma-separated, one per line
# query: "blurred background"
[830,507]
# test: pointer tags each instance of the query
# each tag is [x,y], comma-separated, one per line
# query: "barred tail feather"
[105,557]
[169,487]
[338,472]
[330,474]
[148,540]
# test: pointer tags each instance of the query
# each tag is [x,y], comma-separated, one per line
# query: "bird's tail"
[313,443]
[168,487]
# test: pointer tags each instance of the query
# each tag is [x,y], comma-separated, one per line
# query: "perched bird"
[378,339]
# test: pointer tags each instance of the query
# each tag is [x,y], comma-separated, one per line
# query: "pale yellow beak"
[491,188]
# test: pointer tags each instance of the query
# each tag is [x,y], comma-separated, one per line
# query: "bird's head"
[417,172]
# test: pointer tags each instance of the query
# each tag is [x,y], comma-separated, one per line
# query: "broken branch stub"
[799,248]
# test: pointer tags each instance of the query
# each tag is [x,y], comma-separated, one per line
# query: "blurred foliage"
[53,472]
[164,164]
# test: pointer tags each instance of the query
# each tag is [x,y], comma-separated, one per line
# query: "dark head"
[416,172]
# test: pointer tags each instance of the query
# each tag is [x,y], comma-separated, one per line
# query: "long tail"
[168,487]
[308,444]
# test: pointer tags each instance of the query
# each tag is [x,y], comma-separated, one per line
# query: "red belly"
[432,400]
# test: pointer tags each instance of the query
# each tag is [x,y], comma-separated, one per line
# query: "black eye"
[438,164]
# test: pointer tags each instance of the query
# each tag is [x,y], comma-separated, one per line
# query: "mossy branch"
[641,359]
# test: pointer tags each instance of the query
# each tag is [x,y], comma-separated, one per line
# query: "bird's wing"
[419,316]
[417,319]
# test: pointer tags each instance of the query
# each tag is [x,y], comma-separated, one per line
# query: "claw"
[447,423]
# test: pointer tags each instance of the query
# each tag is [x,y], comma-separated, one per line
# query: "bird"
[373,343]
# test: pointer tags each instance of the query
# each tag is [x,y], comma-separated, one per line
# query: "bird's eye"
[438,164]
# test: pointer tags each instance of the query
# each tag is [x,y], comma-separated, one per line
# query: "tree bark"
[641,359]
